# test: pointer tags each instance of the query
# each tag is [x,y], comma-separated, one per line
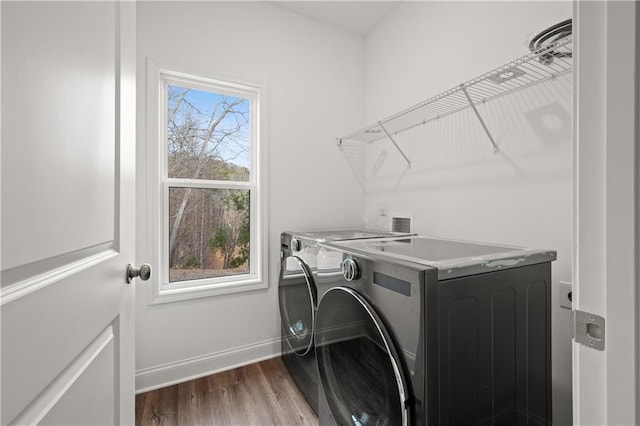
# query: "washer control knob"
[350,270]
[295,244]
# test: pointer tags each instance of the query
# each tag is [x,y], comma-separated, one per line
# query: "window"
[208,189]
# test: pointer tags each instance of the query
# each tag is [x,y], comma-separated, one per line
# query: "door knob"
[144,272]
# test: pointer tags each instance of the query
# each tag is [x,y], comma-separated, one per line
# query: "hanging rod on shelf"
[545,63]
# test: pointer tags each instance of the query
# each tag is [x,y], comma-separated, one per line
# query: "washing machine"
[424,331]
[298,295]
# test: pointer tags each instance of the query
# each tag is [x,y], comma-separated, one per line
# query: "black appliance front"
[298,293]
[362,369]
[297,296]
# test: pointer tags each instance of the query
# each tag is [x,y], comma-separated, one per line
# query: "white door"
[607,92]
[68,128]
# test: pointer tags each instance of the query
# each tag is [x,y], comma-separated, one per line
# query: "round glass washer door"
[363,374]
[297,295]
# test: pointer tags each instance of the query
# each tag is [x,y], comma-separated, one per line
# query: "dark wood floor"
[258,394]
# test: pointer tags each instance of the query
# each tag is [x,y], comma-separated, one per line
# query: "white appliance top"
[453,258]
[346,234]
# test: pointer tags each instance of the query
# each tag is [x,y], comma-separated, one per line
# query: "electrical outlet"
[566,294]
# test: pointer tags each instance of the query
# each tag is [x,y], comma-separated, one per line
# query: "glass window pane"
[208,135]
[208,233]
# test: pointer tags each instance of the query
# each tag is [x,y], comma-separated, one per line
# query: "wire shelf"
[548,62]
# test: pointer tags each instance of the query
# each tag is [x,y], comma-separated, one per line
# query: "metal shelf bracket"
[395,144]
[496,150]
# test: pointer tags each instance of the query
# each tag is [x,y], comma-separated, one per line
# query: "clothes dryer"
[423,331]
[298,293]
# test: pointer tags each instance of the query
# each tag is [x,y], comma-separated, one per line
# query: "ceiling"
[359,17]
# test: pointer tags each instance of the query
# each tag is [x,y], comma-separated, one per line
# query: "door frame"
[606,208]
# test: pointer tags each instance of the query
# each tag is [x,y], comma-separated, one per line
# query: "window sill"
[158,295]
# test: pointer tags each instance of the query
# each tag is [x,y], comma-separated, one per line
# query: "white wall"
[314,75]
[456,187]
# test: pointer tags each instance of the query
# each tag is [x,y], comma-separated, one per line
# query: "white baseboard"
[172,373]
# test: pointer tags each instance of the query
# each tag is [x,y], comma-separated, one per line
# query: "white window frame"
[160,289]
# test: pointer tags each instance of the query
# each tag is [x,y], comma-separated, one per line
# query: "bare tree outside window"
[208,141]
